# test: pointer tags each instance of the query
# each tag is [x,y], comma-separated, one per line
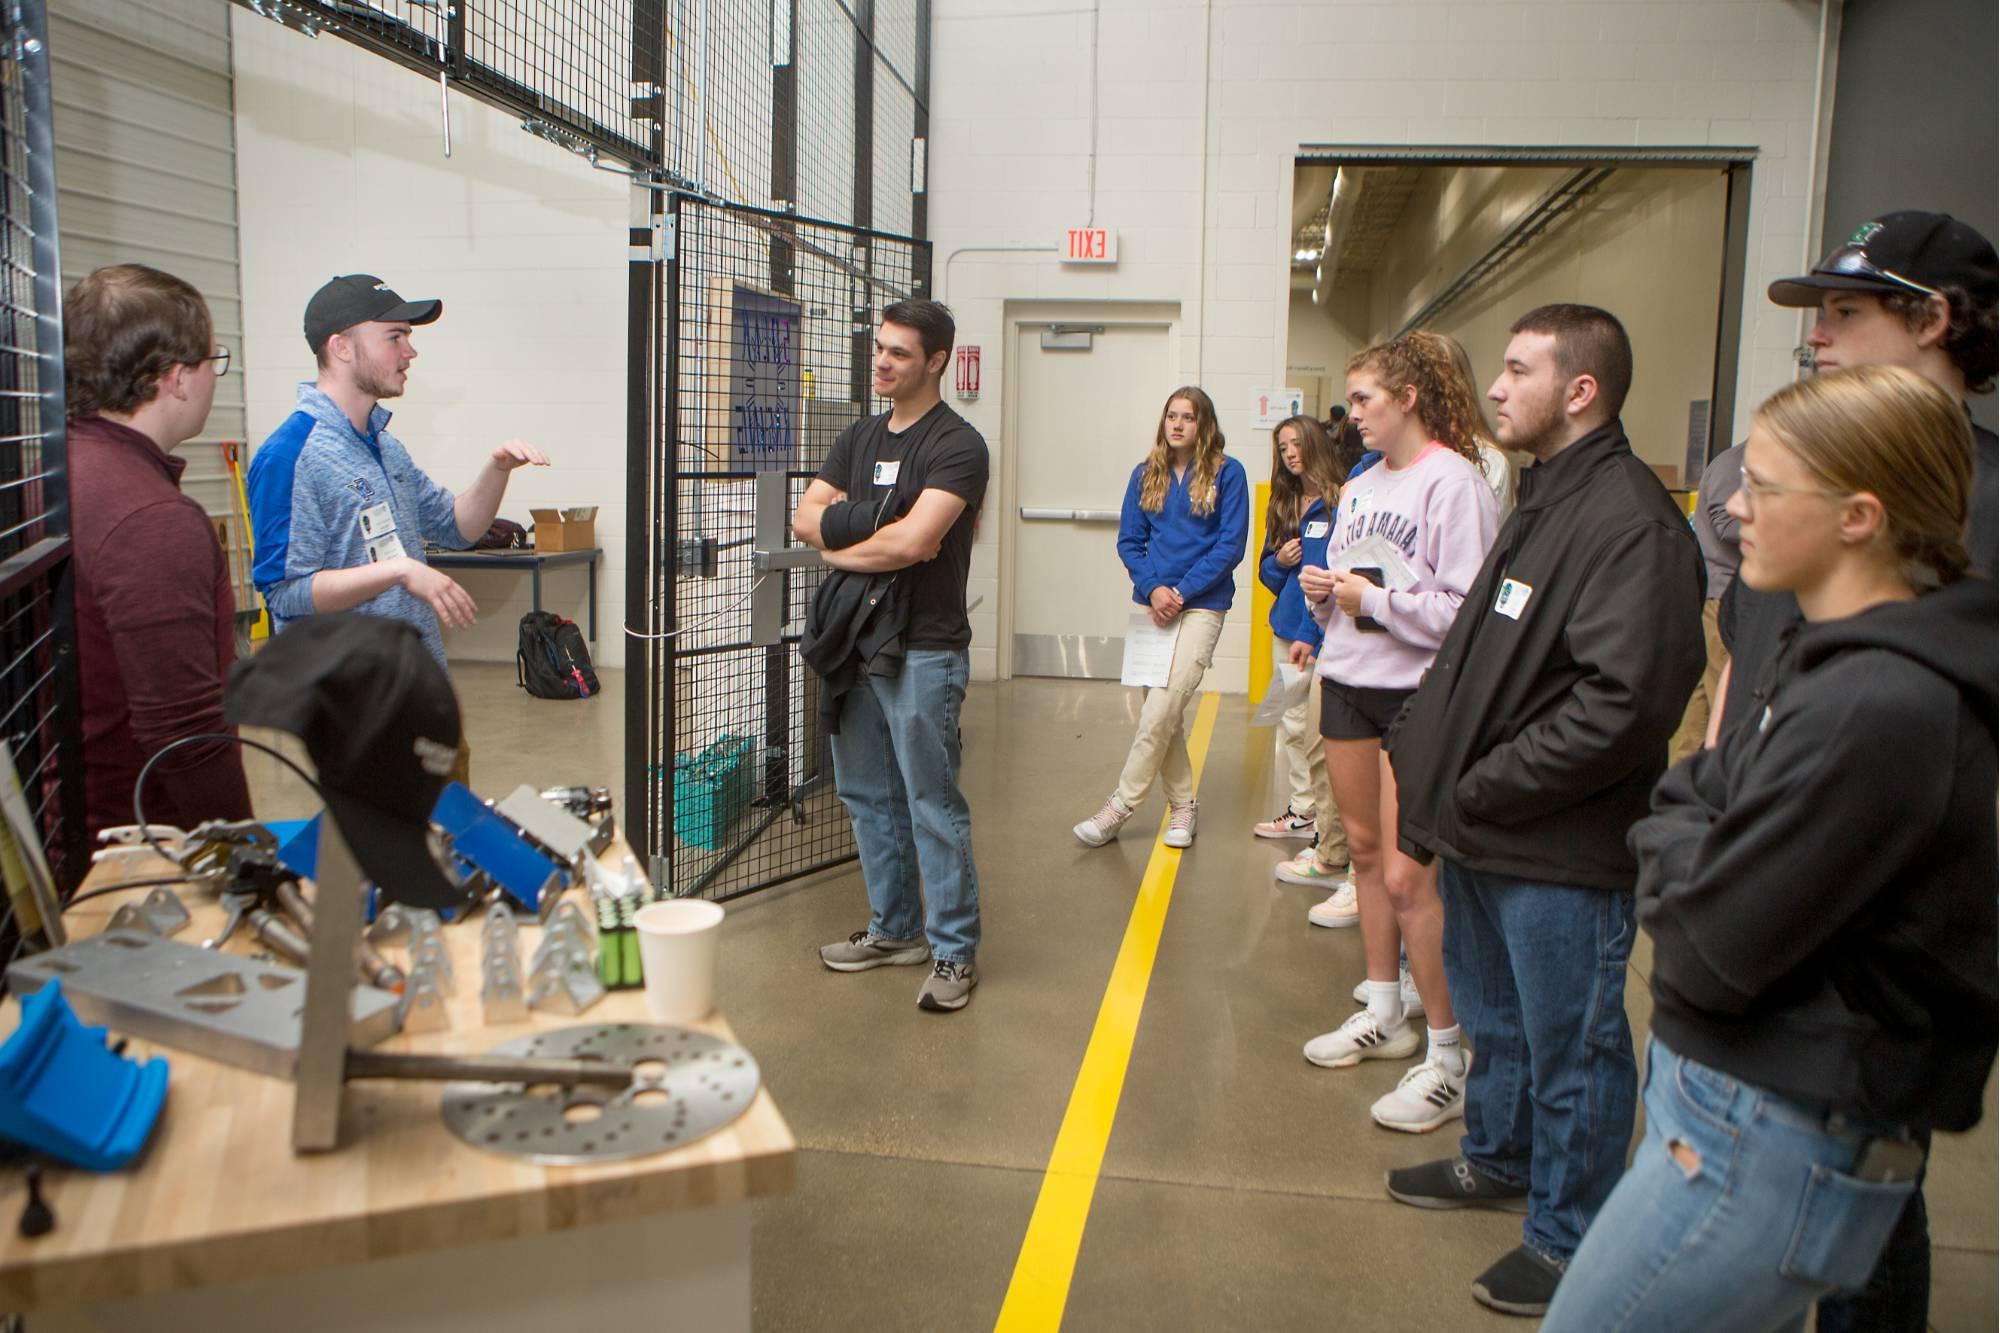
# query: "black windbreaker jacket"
[1821,887]
[1538,733]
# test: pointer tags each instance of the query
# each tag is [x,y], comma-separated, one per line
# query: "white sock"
[1447,1048]
[1385,1001]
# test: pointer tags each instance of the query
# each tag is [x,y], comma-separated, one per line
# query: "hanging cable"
[710,619]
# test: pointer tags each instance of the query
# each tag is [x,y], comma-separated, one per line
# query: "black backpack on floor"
[553,662]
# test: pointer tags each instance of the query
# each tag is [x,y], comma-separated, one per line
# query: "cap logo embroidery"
[435,756]
[1864,233]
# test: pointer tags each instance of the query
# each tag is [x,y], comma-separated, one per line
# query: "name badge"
[886,473]
[1513,598]
[378,520]
[1316,529]
[389,547]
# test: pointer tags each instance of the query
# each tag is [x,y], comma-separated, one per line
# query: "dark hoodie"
[1821,888]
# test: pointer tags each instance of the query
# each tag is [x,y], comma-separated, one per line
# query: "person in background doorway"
[1820,888]
[1304,488]
[1715,528]
[341,510]
[1182,532]
[155,610]
[1494,465]
[1916,290]
[894,508]
[1409,536]
[1522,761]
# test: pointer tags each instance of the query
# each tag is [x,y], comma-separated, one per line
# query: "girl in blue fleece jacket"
[1304,484]
[1185,524]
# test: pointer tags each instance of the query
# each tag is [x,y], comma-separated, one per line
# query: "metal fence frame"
[40,692]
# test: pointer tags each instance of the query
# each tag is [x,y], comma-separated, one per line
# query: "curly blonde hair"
[1445,402]
[1207,456]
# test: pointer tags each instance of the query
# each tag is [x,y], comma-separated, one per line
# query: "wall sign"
[1090,245]
[763,381]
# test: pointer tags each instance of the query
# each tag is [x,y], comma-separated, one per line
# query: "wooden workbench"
[219,1226]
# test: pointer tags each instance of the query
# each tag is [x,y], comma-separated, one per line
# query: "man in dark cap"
[1916,290]
[340,509]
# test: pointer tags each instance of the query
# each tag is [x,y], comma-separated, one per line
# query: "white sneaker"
[1180,825]
[1103,826]
[1425,1098]
[1340,909]
[1362,1038]
[1306,869]
[1291,824]
[1413,1003]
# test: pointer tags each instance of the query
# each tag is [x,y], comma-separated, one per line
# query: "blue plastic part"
[64,1092]
[493,845]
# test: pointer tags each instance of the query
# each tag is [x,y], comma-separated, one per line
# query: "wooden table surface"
[217,1196]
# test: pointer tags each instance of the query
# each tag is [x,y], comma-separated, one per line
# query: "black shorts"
[1355,713]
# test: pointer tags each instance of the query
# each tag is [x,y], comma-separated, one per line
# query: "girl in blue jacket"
[1304,486]
[1183,531]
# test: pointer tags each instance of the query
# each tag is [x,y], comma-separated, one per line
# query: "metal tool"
[226,1007]
[702,1084]
[159,913]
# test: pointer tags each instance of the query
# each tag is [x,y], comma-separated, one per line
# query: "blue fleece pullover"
[1291,618]
[1194,554]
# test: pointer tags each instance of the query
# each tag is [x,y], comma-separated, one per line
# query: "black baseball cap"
[1900,252]
[379,719]
[360,298]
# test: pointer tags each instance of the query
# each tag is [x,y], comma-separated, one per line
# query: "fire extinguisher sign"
[968,372]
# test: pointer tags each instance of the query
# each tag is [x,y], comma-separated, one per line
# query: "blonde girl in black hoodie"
[1820,889]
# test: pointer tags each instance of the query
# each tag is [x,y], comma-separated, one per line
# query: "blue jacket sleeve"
[1232,535]
[1272,574]
[1135,531]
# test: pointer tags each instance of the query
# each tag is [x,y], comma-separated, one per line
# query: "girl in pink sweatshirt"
[1409,538]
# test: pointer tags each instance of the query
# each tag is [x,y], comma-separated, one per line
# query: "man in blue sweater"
[340,509]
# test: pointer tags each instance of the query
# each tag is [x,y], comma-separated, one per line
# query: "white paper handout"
[1288,691]
[1149,651]
[1378,553]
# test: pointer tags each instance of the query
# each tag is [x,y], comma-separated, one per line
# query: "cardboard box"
[573,529]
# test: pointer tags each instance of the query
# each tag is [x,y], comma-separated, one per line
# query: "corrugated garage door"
[146,173]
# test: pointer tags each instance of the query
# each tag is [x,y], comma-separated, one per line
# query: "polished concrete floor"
[1241,1188]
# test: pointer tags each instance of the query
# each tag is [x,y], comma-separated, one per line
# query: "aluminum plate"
[702,1084]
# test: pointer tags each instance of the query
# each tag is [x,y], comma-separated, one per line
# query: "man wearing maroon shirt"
[154,609]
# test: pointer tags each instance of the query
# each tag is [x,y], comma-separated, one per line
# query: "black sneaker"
[1453,1182]
[1523,1281]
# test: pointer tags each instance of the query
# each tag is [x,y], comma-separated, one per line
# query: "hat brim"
[411,312]
[394,854]
[1804,293]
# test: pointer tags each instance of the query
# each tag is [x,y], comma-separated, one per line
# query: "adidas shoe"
[1363,1038]
[1424,1099]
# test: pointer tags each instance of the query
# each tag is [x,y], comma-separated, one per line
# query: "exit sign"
[1090,245]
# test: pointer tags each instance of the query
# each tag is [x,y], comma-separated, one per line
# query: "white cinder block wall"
[342,170]
[1202,198]
[1202,109]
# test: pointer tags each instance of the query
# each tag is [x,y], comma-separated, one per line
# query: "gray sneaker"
[861,951]
[948,987]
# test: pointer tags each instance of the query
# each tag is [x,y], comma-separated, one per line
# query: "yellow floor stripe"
[1040,1287]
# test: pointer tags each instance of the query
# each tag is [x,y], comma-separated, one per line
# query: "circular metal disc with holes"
[687,1086]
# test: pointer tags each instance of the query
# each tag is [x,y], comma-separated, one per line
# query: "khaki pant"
[1311,792]
[1160,748]
[1694,722]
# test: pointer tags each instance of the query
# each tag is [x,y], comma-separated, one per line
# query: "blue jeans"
[1537,975]
[1737,1213]
[895,763]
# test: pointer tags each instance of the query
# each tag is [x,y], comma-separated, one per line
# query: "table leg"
[593,600]
[536,570]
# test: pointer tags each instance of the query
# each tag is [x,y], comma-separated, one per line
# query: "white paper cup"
[678,940]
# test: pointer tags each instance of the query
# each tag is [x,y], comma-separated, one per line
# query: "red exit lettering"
[1088,244]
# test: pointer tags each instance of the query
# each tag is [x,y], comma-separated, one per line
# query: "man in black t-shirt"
[893,509]
[1916,290]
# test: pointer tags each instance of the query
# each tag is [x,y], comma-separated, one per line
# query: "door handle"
[1069,515]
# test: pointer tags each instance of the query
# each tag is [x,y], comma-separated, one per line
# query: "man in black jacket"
[1522,761]
[1917,290]
[894,509]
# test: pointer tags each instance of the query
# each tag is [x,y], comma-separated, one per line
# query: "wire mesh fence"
[769,335]
[39,707]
